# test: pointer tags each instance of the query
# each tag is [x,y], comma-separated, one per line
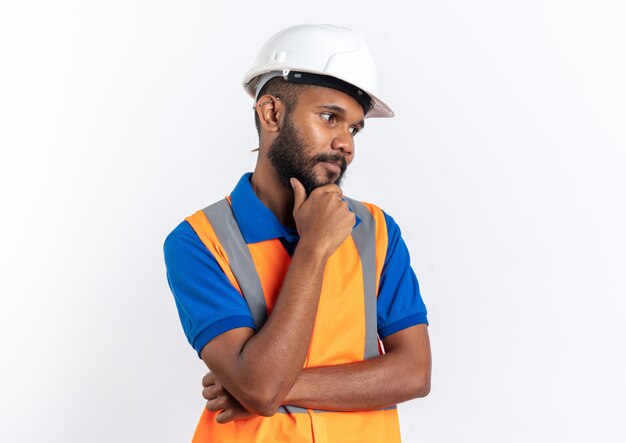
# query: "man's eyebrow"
[339,110]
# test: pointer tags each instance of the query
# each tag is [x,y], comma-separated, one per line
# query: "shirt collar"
[256,221]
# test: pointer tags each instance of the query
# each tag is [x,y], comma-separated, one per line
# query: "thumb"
[298,192]
[224,416]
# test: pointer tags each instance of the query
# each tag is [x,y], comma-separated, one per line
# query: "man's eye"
[354,130]
[328,116]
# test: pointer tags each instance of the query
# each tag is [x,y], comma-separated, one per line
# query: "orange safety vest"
[345,327]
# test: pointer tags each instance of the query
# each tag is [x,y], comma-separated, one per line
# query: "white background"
[504,168]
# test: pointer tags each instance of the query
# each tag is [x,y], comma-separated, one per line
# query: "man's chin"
[310,183]
[329,177]
[334,180]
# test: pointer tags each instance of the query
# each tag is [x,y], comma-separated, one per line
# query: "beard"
[288,156]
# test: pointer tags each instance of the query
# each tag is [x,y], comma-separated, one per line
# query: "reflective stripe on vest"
[221,217]
[364,237]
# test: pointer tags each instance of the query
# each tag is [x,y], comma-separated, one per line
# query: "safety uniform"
[226,265]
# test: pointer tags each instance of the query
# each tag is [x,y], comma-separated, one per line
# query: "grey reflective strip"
[364,237]
[289,409]
[221,217]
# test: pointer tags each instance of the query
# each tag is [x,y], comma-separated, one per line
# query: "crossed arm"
[401,374]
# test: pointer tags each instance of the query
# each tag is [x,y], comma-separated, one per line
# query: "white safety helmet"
[324,55]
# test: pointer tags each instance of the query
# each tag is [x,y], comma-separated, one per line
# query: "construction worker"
[301,301]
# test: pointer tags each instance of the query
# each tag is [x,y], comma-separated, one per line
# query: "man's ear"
[270,110]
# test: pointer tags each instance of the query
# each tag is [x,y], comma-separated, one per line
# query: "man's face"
[315,144]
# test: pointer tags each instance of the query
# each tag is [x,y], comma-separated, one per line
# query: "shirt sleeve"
[208,304]
[399,304]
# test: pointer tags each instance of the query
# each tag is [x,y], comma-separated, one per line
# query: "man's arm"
[258,370]
[401,374]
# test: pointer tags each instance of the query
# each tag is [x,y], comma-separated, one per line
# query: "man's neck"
[270,190]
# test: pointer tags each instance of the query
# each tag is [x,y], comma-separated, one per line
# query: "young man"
[286,287]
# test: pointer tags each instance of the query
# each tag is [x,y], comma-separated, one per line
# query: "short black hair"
[287,92]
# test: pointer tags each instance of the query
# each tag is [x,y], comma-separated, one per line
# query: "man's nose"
[344,142]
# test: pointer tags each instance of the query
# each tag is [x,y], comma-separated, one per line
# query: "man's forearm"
[355,386]
[382,381]
[401,374]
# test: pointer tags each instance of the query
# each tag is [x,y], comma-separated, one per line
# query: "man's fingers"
[228,408]
[210,392]
[299,193]
[208,379]
[331,187]
[230,414]
[225,416]
[219,403]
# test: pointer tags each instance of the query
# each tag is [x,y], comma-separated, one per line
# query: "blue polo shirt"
[209,305]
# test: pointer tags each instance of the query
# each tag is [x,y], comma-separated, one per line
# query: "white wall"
[504,167]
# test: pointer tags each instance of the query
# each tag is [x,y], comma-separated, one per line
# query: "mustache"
[336,158]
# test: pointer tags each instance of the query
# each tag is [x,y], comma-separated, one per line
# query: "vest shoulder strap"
[364,236]
[221,217]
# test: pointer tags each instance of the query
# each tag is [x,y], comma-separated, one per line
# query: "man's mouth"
[332,166]
[335,164]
